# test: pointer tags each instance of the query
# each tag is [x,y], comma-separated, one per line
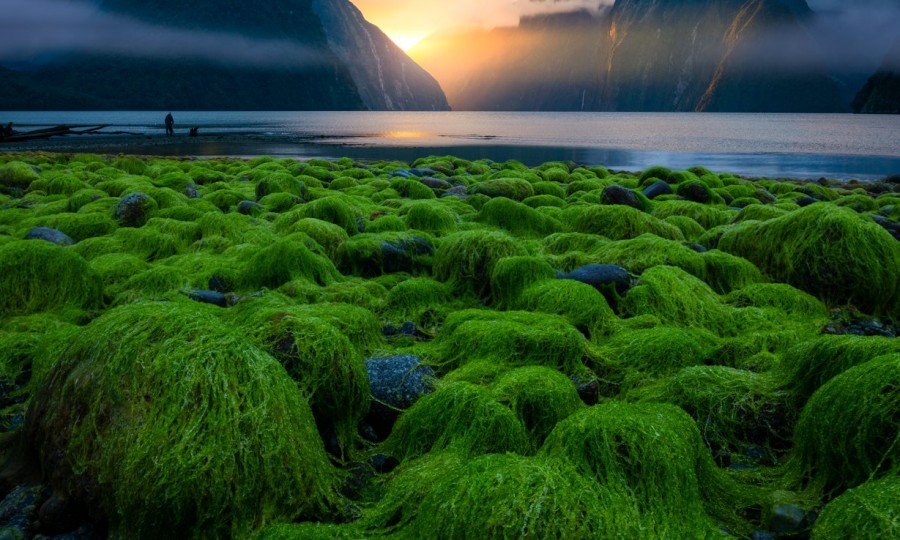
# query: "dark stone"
[50,235]
[422,172]
[390,330]
[220,284]
[400,256]
[402,174]
[18,509]
[786,518]
[360,224]
[395,383]
[694,191]
[618,195]
[191,191]
[698,248]
[57,516]
[589,392]
[460,192]
[611,280]
[806,201]
[134,209]
[359,476]
[249,207]
[762,535]
[887,210]
[765,197]
[656,189]
[383,463]
[208,297]
[436,183]
[888,225]
[727,198]
[408,329]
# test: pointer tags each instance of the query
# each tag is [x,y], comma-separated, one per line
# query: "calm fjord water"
[839,146]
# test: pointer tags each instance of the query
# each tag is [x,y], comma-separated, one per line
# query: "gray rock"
[50,235]
[806,201]
[400,256]
[249,207]
[436,183]
[395,383]
[18,510]
[208,297]
[694,191]
[134,209]
[618,195]
[658,188]
[609,279]
[402,174]
[762,535]
[786,518]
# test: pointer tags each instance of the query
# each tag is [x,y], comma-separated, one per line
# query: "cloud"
[32,30]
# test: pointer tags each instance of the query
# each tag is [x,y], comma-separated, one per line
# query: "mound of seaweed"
[830,252]
[165,421]
[191,364]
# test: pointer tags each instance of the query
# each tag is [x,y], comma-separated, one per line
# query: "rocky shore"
[284,349]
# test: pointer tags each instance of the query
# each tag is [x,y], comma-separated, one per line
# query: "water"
[774,145]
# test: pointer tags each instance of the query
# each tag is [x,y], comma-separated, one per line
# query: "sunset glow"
[405,42]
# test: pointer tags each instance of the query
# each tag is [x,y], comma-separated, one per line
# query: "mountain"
[228,54]
[643,55]
[881,93]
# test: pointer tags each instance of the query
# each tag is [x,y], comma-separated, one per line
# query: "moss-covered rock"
[652,455]
[849,431]
[40,276]
[432,217]
[867,512]
[162,420]
[513,338]
[829,252]
[286,260]
[617,222]
[512,275]
[583,306]
[369,255]
[517,218]
[466,259]
[541,397]
[516,189]
[461,417]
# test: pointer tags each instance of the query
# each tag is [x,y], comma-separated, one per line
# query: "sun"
[406,41]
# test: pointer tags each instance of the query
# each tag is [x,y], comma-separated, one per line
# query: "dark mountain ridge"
[647,55]
[313,61]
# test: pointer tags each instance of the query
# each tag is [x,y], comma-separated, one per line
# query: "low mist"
[35,31]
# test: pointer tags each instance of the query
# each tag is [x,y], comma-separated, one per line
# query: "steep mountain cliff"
[644,55]
[881,93]
[228,54]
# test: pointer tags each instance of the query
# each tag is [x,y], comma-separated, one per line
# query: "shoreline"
[252,144]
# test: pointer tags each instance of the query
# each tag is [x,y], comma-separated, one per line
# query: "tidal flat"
[281,349]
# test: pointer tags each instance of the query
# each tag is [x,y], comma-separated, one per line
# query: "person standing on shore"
[170,125]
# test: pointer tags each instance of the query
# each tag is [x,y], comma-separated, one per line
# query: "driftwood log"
[46,133]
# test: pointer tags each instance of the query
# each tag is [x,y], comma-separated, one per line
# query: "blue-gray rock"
[402,255]
[208,297]
[762,535]
[436,183]
[50,235]
[402,174]
[656,189]
[618,195]
[191,191]
[19,509]
[395,383]
[697,247]
[786,518]
[891,227]
[422,172]
[609,279]
[460,192]
[134,209]
[249,207]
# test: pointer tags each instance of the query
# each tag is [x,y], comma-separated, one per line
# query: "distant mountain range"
[637,55]
[647,55]
[333,60]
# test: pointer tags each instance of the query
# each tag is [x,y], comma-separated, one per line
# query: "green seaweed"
[653,456]
[514,338]
[672,294]
[512,275]
[788,299]
[583,306]
[866,512]
[209,435]
[516,218]
[369,254]
[466,259]
[423,301]
[849,431]
[432,217]
[460,417]
[830,252]
[707,216]
[285,260]
[516,189]
[40,276]
[541,397]
[617,222]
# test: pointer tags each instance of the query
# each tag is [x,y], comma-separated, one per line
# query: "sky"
[409,21]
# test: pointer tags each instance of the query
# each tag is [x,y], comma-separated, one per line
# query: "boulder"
[396,382]
[134,209]
[656,189]
[622,196]
[609,279]
[50,235]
